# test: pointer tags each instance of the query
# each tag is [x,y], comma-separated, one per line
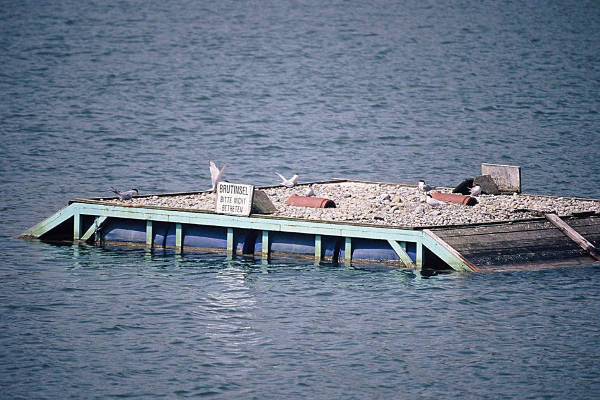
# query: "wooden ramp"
[522,243]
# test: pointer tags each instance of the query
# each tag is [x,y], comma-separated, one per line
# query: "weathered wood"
[450,249]
[401,252]
[178,238]
[149,234]
[574,235]
[475,230]
[512,238]
[98,221]
[348,251]
[265,245]
[317,249]
[506,177]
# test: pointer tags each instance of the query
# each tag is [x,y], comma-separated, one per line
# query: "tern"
[310,191]
[125,195]
[424,187]
[433,202]
[215,174]
[476,190]
[288,182]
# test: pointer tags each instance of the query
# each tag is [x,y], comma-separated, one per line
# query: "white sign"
[234,198]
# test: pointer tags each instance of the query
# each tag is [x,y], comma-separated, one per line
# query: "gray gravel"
[388,204]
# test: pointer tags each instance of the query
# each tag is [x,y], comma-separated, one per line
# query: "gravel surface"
[387,204]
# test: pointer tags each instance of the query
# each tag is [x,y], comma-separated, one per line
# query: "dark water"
[143,93]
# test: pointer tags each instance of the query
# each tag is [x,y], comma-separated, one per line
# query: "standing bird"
[288,182]
[424,187]
[433,202]
[476,190]
[125,195]
[310,191]
[215,174]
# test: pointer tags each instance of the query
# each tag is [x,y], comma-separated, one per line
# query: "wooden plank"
[230,248]
[98,221]
[557,242]
[265,245]
[475,230]
[401,252]
[348,251]
[149,234]
[449,249]
[76,225]
[495,240]
[317,249]
[49,223]
[574,235]
[179,238]
[506,177]
[419,259]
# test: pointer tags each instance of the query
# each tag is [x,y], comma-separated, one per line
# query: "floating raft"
[519,243]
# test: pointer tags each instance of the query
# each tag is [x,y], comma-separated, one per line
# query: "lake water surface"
[143,93]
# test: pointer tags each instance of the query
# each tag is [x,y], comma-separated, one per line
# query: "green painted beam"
[419,258]
[179,237]
[94,228]
[50,223]
[404,257]
[265,245]
[230,249]
[446,252]
[149,234]
[348,251]
[317,249]
[76,225]
[257,223]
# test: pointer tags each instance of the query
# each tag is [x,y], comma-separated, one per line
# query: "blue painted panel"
[298,243]
[213,237]
[377,250]
[132,231]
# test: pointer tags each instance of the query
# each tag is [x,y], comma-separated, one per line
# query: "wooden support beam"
[402,254]
[76,225]
[98,221]
[348,251]
[317,249]
[230,249]
[419,258]
[149,234]
[573,235]
[265,245]
[178,238]
[446,252]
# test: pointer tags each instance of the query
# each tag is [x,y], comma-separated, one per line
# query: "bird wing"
[281,176]
[294,179]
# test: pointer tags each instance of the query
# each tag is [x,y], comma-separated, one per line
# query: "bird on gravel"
[423,187]
[310,191]
[125,195]
[288,182]
[433,202]
[215,174]
[476,190]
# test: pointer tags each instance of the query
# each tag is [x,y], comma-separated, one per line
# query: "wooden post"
[317,249]
[265,246]
[573,235]
[230,249]
[400,249]
[178,238]
[149,234]
[348,252]
[76,226]
[420,259]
